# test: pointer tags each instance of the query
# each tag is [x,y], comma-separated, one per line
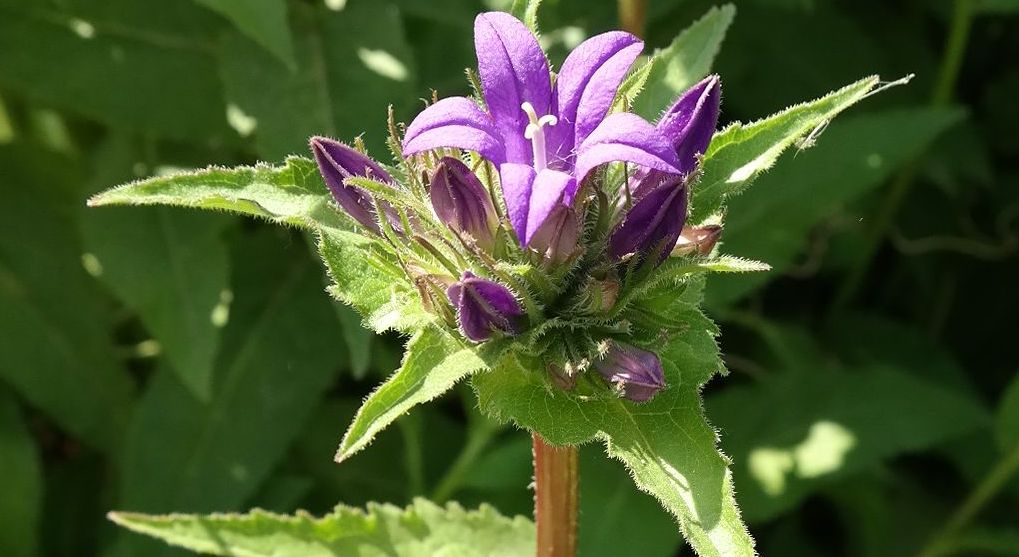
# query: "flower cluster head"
[528,213]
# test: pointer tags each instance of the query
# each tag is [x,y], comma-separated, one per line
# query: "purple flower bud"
[636,373]
[483,306]
[700,240]
[652,227]
[461,201]
[557,237]
[337,162]
[691,121]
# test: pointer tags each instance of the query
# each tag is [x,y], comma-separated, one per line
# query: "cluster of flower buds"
[528,223]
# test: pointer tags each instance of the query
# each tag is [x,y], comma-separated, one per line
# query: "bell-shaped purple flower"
[337,162]
[653,225]
[461,201]
[483,307]
[544,139]
[636,373]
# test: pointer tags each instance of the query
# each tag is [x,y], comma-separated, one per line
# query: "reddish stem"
[556,488]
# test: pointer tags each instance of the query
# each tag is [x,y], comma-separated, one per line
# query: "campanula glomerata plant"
[546,244]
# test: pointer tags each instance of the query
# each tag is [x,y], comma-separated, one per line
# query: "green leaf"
[351,66]
[804,427]
[124,63]
[1004,7]
[851,158]
[368,277]
[23,484]
[290,194]
[278,356]
[685,61]
[739,153]
[1007,425]
[421,530]
[265,21]
[667,444]
[55,349]
[167,264]
[434,361]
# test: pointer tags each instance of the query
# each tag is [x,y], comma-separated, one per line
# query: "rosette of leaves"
[544,243]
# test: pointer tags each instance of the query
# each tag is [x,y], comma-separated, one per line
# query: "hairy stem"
[941,542]
[958,35]
[556,486]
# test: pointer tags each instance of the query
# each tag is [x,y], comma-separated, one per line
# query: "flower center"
[536,134]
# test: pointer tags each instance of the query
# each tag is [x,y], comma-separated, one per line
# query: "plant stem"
[556,487]
[940,543]
[632,15]
[958,35]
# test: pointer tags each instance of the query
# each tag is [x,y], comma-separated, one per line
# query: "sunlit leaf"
[740,152]
[421,530]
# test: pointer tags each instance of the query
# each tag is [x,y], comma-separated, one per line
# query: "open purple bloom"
[461,201]
[653,225]
[636,373]
[483,306]
[545,140]
[337,162]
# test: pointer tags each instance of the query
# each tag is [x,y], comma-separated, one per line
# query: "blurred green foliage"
[161,360]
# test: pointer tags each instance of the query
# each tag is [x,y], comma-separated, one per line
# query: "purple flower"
[483,306]
[545,140]
[461,201]
[689,125]
[653,225]
[337,162]
[636,373]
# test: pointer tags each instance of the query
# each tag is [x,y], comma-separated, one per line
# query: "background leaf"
[55,346]
[167,264]
[684,62]
[279,355]
[265,21]
[106,60]
[21,506]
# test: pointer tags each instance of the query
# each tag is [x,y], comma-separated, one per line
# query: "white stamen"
[536,135]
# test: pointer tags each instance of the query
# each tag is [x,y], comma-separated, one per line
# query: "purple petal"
[654,223]
[516,180]
[484,306]
[513,70]
[626,137]
[455,122]
[461,201]
[590,77]
[337,162]
[547,192]
[557,238]
[690,122]
[638,373]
